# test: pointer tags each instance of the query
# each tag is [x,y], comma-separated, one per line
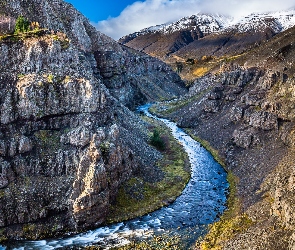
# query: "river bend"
[200,204]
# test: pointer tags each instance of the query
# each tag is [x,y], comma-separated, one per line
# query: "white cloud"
[140,15]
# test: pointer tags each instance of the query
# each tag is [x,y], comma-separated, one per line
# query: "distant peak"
[209,23]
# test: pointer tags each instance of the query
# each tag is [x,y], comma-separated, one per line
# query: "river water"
[200,204]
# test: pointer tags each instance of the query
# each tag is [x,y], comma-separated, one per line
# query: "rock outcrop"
[122,74]
[67,142]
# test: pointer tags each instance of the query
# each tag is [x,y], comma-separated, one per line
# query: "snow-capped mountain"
[209,34]
[277,21]
[204,22]
[214,23]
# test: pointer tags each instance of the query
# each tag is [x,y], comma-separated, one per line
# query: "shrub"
[157,141]
[179,67]
[22,25]
[50,78]
[190,61]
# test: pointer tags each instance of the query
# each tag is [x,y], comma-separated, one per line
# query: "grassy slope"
[149,196]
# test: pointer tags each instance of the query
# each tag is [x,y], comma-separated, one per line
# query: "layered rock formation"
[120,67]
[67,142]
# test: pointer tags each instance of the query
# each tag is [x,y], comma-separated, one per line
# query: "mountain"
[67,138]
[205,23]
[208,35]
[69,141]
[163,40]
[244,108]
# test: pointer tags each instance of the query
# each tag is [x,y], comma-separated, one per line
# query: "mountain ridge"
[214,23]
[208,35]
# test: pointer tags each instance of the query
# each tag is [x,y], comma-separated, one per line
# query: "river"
[200,204]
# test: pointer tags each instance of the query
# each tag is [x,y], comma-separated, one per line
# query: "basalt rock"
[63,153]
[121,73]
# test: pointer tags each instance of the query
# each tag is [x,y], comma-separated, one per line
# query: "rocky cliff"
[67,141]
[245,109]
[120,68]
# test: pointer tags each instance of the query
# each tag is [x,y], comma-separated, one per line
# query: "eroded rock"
[245,137]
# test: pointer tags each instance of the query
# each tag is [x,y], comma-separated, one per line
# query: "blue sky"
[98,10]
[117,18]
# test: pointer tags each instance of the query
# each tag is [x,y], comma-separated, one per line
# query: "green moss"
[105,148]
[22,36]
[20,76]
[146,196]
[2,193]
[2,237]
[224,230]
[29,231]
[50,78]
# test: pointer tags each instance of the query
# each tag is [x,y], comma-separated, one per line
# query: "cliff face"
[64,151]
[246,111]
[134,77]
[67,142]
[119,68]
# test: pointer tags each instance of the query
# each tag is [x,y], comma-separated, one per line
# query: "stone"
[243,137]
[25,145]
[211,106]
[236,113]
[264,120]
[3,148]
[79,137]
[214,95]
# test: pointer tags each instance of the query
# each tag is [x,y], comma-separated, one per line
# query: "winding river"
[200,204]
